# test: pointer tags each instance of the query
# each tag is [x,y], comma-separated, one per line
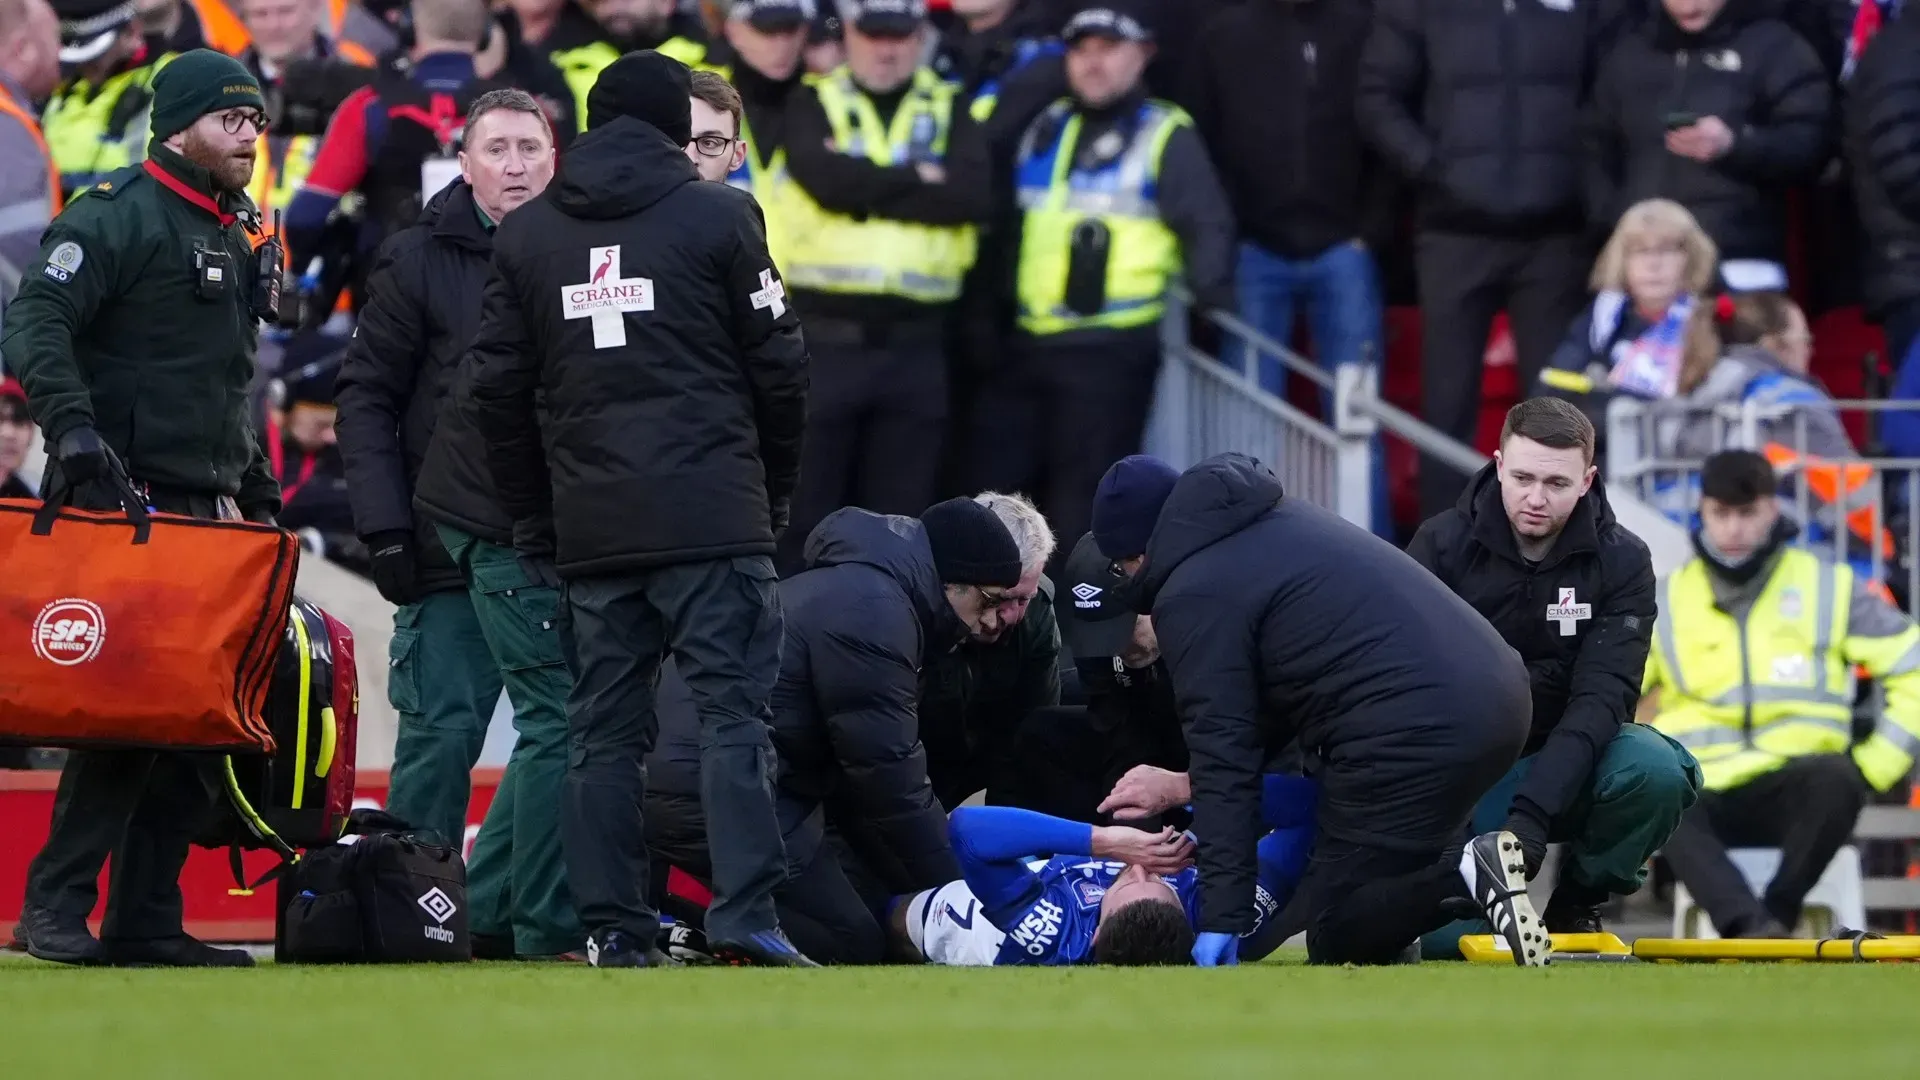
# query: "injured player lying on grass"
[1107,895]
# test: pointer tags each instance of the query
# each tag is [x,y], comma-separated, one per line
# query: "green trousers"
[516,879]
[1641,786]
[443,682]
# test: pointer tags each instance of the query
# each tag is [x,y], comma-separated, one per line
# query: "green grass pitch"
[530,1022]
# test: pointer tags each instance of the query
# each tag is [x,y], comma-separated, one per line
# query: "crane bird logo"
[602,271]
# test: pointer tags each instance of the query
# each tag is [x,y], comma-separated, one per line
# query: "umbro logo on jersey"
[1084,595]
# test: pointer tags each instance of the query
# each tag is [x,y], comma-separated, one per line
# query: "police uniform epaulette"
[116,182]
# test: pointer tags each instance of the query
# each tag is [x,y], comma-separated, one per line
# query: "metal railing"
[1655,450]
[1204,407]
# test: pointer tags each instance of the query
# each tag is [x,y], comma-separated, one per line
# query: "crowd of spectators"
[1602,173]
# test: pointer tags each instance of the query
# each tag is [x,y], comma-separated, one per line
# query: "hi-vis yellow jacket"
[1749,689]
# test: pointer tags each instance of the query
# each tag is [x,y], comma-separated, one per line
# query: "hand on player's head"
[1163,852]
[1145,791]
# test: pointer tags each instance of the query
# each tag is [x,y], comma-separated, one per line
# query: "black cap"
[650,87]
[884,18]
[971,546]
[1106,22]
[1095,623]
[775,16]
[88,27]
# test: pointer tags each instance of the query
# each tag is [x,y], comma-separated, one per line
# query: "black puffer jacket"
[862,619]
[1279,620]
[1274,103]
[1759,77]
[1585,670]
[419,318]
[1478,103]
[644,304]
[1883,146]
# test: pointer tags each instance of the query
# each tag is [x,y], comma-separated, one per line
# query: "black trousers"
[1464,282]
[1385,866]
[1071,406]
[820,907]
[876,424]
[721,621]
[1807,809]
[142,807]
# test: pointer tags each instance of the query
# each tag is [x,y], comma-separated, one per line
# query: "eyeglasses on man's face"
[234,119]
[712,145]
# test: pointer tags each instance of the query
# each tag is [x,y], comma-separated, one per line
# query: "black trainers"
[492,946]
[765,948]
[687,944]
[1573,910]
[63,939]
[618,949]
[182,951]
[1496,877]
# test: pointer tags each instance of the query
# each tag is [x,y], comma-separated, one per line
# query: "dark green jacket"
[973,699]
[107,330]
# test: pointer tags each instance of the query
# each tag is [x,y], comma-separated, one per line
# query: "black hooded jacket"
[643,303]
[862,619]
[1585,677]
[1278,620]
[1477,102]
[400,365]
[1759,77]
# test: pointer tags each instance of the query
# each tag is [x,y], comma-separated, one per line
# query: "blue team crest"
[1089,893]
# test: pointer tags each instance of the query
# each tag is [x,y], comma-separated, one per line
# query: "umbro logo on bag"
[440,908]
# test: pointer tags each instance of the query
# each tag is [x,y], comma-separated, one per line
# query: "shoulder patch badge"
[64,261]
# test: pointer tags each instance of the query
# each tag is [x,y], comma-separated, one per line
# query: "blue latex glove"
[1216,950]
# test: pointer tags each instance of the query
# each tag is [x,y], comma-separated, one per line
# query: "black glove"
[391,553]
[780,513]
[259,515]
[1529,826]
[85,458]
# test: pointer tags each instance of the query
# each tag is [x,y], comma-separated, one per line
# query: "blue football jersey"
[1057,927]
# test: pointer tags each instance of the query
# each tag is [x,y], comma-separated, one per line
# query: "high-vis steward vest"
[768,183]
[582,66]
[1746,696]
[94,131]
[833,253]
[1057,197]
[281,165]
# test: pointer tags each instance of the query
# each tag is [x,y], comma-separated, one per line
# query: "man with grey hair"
[973,699]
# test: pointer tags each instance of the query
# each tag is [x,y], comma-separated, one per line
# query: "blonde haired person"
[1646,285]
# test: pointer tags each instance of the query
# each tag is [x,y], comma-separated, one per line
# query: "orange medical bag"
[138,629]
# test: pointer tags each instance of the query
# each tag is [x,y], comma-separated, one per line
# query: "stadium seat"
[1843,344]
[1836,901]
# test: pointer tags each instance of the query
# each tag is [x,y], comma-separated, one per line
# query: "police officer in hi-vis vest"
[582,49]
[96,120]
[1116,197]
[1753,669]
[760,51]
[891,180]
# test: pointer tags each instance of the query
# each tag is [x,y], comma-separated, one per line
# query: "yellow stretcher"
[1606,948]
